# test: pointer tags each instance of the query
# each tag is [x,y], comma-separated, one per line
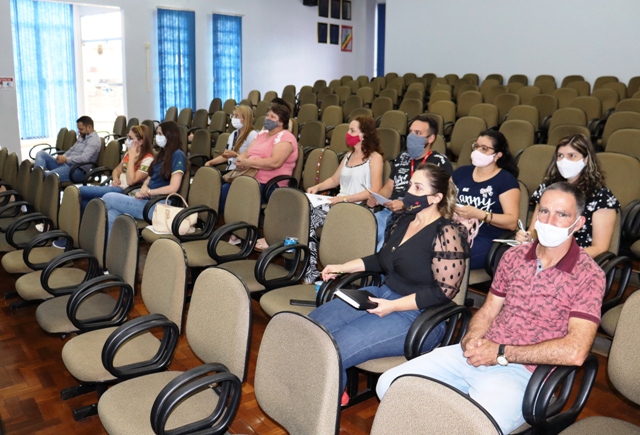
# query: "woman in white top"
[239,139]
[360,168]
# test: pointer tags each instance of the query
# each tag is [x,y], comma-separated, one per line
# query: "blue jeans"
[362,336]
[48,162]
[479,252]
[87,193]
[382,217]
[499,389]
[118,204]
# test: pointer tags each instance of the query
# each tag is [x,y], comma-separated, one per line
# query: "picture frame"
[346,10]
[323,8]
[346,39]
[322,33]
[336,9]
[334,34]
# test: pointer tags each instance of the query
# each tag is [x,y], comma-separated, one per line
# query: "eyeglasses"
[483,148]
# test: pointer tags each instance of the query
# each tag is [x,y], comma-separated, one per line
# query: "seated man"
[543,308]
[85,150]
[422,134]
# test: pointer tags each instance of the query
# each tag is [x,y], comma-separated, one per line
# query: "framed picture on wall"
[335,9]
[323,8]
[346,10]
[322,33]
[346,41]
[334,34]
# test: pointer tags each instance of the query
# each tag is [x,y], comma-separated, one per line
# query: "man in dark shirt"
[422,134]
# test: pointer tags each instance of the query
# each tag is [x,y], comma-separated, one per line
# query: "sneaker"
[233,240]
[344,401]
[60,244]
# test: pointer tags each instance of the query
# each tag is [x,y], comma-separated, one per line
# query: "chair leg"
[24,303]
[355,394]
[11,295]
[88,411]
[77,390]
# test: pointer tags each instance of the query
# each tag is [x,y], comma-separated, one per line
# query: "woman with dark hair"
[424,263]
[133,169]
[488,191]
[360,168]
[575,161]
[165,176]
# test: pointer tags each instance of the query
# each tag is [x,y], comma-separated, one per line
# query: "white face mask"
[161,140]
[551,236]
[569,169]
[237,124]
[480,160]
[128,143]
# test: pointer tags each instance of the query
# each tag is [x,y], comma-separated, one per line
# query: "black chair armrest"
[245,247]
[23,224]
[229,390]
[131,188]
[625,265]
[103,282]
[44,147]
[495,252]
[603,258]
[42,240]
[79,168]
[293,182]
[159,362]
[12,210]
[300,254]
[93,270]
[203,159]
[537,409]
[631,221]
[207,225]
[147,207]
[95,174]
[5,197]
[456,316]
[329,128]
[192,129]
[328,289]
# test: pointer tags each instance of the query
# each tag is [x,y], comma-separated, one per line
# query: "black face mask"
[415,204]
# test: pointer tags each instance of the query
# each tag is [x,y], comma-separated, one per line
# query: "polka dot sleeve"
[450,250]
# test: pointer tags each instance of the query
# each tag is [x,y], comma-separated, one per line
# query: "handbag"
[232,175]
[164,214]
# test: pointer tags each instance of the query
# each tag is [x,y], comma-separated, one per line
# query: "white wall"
[279,48]
[560,37]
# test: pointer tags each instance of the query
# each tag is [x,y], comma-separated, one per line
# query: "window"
[176,59]
[44,67]
[227,57]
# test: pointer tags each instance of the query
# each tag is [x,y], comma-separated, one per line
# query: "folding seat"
[545,77]
[290,99]
[571,78]
[532,165]
[118,131]
[514,87]
[439,96]
[363,80]
[307,98]
[519,78]
[465,128]
[591,106]
[604,79]
[413,94]
[291,89]
[473,78]
[546,105]
[377,84]
[390,142]
[520,135]
[624,141]
[497,77]
[442,87]
[150,124]
[609,99]
[524,113]
[307,112]
[62,134]
[215,105]
[331,117]
[620,88]
[412,107]
[171,114]
[618,121]
[628,105]
[345,79]
[447,110]
[398,84]
[392,94]
[565,96]
[319,84]
[466,88]
[11,211]
[564,130]
[247,102]
[486,111]
[321,163]
[633,86]
[218,124]
[338,143]
[504,103]
[163,293]
[132,122]
[366,93]
[350,104]
[568,116]
[437,81]
[184,139]
[349,232]
[343,93]
[218,330]
[335,84]
[491,93]
[451,78]
[526,93]
[395,119]
[464,159]
[313,135]
[583,87]
[90,306]
[466,101]
[361,111]
[354,85]
[200,120]
[254,97]
[329,100]
[416,86]
[286,215]
[261,108]
[458,84]
[270,95]
[380,106]
[184,118]
[547,87]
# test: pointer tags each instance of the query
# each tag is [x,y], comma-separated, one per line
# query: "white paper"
[379,198]
[150,228]
[318,200]
[509,242]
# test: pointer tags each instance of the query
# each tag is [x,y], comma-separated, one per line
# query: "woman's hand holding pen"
[331,271]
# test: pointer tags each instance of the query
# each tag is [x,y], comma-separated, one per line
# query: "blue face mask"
[270,124]
[415,145]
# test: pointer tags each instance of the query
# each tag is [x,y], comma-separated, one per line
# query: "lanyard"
[423,160]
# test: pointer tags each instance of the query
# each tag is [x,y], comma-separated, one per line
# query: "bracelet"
[490,217]
[486,215]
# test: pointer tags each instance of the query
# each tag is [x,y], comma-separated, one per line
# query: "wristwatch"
[501,359]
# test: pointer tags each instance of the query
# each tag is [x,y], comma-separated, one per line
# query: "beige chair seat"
[125,408]
[595,425]
[12,262]
[245,269]
[381,365]
[83,354]
[274,302]
[197,255]
[635,248]
[52,314]
[29,288]
[20,237]
[478,276]
[151,237]
[609,320]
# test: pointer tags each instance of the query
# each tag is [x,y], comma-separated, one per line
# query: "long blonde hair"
[247,125]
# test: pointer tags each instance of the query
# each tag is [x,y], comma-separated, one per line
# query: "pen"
[526,235]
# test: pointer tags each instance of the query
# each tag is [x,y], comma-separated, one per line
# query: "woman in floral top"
[576,162]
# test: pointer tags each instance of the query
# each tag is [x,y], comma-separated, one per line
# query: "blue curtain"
[382,18]
[177,59]
[227,57]
[43,52]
